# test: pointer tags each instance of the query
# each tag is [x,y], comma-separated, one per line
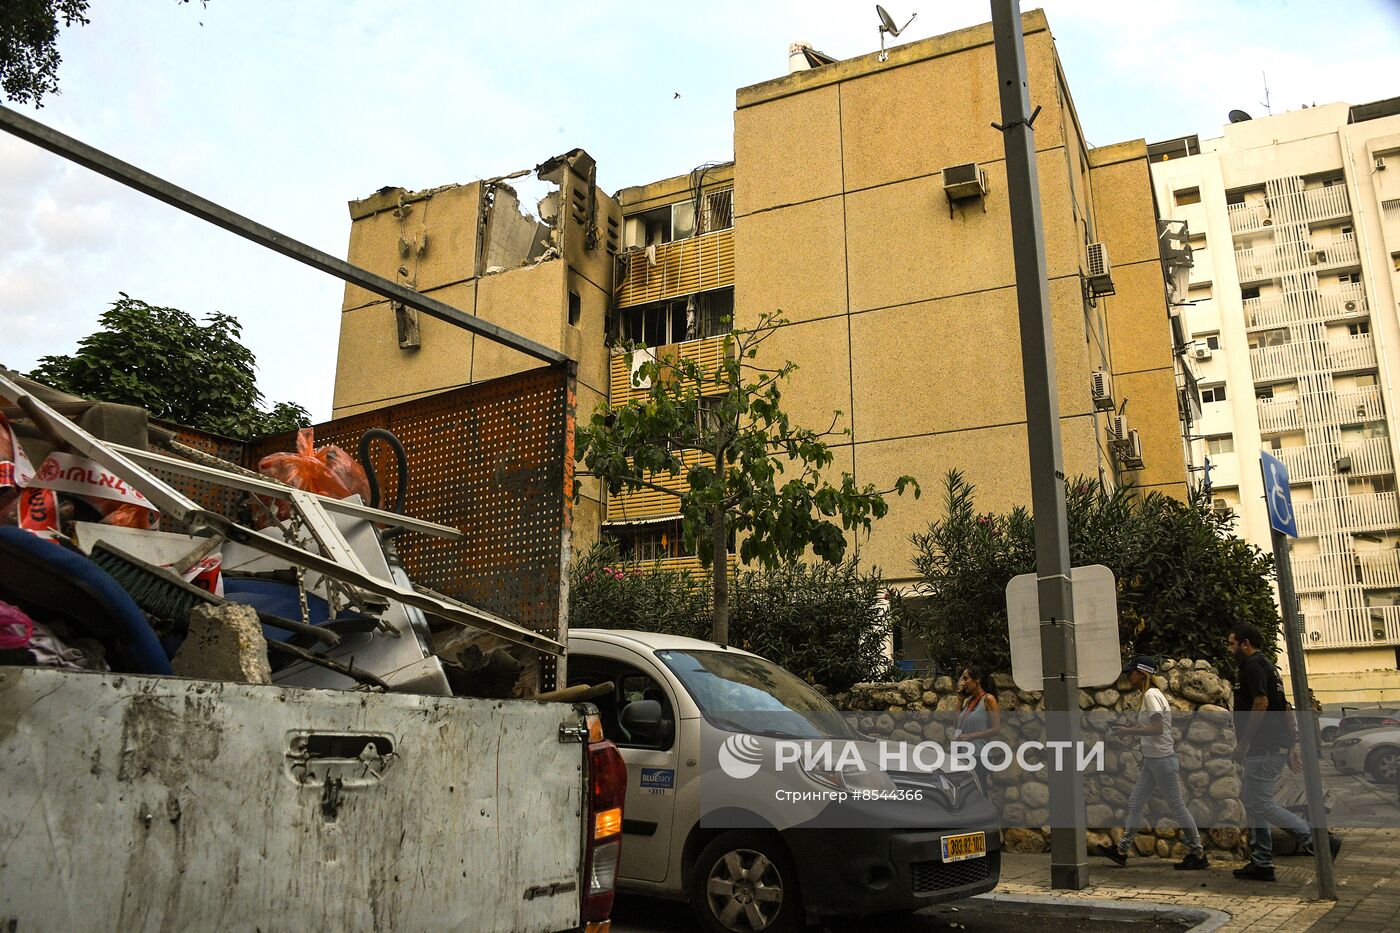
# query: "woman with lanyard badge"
[979,719]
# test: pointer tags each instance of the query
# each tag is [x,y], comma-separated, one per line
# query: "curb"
[1202,919]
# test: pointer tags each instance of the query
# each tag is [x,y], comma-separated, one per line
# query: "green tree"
[820,621]
[29,56]
[178,369]
[732,417]
[1183,576]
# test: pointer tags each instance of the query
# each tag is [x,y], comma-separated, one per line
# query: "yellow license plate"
[966,846]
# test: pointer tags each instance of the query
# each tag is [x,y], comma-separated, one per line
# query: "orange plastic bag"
[327,471]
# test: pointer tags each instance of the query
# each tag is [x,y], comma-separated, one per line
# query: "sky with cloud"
[285,111]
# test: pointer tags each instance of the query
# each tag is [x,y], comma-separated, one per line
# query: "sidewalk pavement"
[1368,887]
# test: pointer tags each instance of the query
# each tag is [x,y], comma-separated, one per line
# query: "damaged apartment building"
[866,202]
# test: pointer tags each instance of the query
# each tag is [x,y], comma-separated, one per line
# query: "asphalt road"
[648,915]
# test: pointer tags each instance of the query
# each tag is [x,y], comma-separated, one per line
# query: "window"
[630,684]
[1359,328]
[1213,341]
[1188,196]
[1222,444]
[655,541]
[575,307]
[1349,278]
[1234,197]
[1213,393]
[1347,231]
[1248,293]
[1270,338]
[1334,180]
[1395,260]
[1198,242]
[706,314]
[1264,392]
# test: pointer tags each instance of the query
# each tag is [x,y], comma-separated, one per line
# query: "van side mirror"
[642,719]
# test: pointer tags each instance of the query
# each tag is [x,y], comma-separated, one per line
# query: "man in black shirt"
[1264,741]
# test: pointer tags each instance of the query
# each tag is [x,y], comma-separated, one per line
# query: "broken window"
[694,317]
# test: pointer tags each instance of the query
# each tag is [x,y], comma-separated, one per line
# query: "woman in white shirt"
[1160,769]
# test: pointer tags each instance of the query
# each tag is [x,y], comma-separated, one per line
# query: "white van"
[746,874]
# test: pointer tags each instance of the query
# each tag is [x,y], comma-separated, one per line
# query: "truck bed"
[144,803]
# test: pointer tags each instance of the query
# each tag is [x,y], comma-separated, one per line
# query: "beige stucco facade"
[901,304]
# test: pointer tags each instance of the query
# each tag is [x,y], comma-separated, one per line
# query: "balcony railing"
[1334,253]
[1355,351]
[1352,628]
[1343,302]
[1369,457]
[652,503]
[1348,513]
[1351,406]
[1279,415]
[1379,568]
[1308,206]
[1285,360]
[706,351]
[681,267]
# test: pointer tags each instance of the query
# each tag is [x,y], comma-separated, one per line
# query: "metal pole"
[1069,863]
[1307,725]
[45,137]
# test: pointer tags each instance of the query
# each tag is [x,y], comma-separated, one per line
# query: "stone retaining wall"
[899,711]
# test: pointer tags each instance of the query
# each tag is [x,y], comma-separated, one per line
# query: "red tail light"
[607,785]
[1390,722]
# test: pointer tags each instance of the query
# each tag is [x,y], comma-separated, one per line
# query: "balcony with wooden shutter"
[707,351]
[681,267]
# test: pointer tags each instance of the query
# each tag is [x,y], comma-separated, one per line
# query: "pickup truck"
[161,803]
[752,875]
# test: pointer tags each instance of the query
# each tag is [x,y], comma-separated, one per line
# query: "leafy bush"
[822,622]
[1183,576]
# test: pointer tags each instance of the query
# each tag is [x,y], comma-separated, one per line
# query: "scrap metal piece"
[170,503]
[265,486]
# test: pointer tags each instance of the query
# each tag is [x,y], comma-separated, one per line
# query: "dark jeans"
[1261,774]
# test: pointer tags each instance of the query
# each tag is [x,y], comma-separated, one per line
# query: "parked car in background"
[1327,724]
[1354,719]
[1376,752]
[674,697]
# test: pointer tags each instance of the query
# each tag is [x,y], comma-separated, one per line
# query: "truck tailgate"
[141,803]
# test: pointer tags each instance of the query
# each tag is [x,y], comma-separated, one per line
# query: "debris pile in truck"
[297,583]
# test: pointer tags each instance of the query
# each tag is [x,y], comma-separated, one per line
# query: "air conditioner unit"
[1118,429]
[1202,352]
[1130,451]
[1220,505]
[964,181]
[1100,276]
[1380,163]
[1351,306]
[1267,221]
[1344,464]
[1102,391]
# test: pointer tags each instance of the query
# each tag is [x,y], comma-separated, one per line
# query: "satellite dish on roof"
[887,26]
[1239,116]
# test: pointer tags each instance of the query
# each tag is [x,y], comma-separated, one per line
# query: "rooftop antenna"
[887,26]
[1265,102]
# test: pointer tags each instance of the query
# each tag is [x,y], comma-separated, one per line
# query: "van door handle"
[350,760]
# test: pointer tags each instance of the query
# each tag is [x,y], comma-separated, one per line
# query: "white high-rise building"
[1290,339]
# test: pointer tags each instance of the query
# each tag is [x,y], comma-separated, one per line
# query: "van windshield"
[748,694]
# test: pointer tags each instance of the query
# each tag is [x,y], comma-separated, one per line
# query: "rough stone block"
[224,643]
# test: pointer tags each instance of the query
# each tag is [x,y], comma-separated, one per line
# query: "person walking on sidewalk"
[1160,769]
[1265,739]
[979,717]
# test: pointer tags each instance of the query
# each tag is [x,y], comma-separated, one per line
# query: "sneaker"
[1194,861]
[1113,854]
[1253,872]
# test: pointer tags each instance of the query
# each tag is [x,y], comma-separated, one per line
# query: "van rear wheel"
[745,882]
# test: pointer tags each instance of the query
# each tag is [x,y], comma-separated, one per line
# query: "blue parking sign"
[1278,495]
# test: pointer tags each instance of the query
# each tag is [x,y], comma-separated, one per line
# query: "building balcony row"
[680,267]
[1334,303]
[1380,568]
[622,369]
[1312,205]
[1374,512]
[1280,415]
[1278,260]
[1288,361]
[1368,457]
[1372,626]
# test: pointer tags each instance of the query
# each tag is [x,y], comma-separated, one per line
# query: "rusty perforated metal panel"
[495,460]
